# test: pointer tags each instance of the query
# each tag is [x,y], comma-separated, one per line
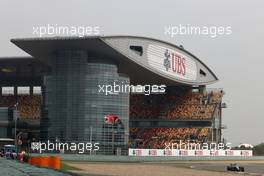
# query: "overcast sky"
[236,59]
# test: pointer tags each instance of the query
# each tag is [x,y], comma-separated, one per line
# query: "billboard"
[171,62]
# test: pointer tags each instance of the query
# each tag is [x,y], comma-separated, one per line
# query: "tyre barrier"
[53,162]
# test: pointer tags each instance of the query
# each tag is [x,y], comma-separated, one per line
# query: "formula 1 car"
[235,167]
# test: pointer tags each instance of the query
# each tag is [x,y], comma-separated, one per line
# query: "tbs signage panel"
[171,62]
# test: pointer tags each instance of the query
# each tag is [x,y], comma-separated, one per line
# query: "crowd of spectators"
[27,105]
[179,105]
[142,106]
[160,137]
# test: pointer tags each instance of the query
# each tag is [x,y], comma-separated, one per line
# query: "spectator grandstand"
[176,105]
[74,82]
[158,137]
[27,105]
[179,105]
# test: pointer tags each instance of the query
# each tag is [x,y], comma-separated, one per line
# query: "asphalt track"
[162,169]
[253,168]
[11,167]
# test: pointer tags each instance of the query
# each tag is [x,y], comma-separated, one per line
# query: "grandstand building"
[60,94]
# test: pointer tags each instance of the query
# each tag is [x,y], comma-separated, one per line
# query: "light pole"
[91,137]
[113,139]
[15,119]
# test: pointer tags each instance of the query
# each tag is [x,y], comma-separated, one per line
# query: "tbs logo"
[175,63]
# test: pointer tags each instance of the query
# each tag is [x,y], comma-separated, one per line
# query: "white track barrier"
[168,152]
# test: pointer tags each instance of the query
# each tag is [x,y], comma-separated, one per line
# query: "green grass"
[65,167]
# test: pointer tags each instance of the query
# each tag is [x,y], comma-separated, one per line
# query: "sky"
[237,59]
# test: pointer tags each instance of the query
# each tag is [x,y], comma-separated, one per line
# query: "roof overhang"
[116,48]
